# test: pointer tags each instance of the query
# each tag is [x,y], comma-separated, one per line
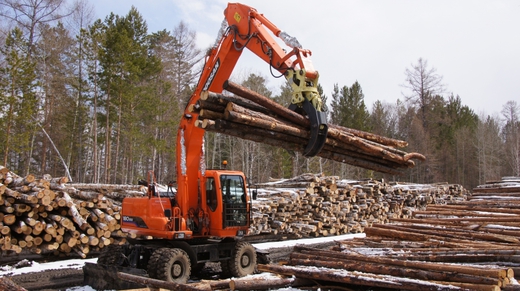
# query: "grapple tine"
[318,128]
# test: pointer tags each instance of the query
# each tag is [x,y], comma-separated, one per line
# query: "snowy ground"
[79,263]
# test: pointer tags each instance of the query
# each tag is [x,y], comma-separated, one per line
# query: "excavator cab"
[227,203]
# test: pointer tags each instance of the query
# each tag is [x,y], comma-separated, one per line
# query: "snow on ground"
[33,266]
[39,267]
[290,243]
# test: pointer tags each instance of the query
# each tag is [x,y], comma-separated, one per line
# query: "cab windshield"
[234,200]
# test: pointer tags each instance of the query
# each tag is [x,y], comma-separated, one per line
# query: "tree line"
[100,101]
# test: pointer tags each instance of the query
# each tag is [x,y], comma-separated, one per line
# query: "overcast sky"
[473,44]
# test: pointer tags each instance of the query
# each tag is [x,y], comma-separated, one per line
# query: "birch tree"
[489,148]
[511,136]
[29,14]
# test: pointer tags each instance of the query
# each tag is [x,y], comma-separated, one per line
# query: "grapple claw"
[318,128]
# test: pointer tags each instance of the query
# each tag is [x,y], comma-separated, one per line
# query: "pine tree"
[348,107]
[18,102]
[127,70]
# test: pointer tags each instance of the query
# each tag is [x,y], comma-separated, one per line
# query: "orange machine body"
[222,211]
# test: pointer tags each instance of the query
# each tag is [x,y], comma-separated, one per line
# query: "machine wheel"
[243,260]
[172,265]
[111,255]
[151,269]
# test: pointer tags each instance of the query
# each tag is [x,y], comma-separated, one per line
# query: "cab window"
[211,194]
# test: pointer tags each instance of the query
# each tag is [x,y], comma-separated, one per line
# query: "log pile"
[49,216]
[312,205]
[461,245]
[504,191]
[251,116]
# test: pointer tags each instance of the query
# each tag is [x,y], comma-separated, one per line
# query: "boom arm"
[244,27]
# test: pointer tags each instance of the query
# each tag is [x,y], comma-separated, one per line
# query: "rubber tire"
[151,268]
[243,260]
[110,255]
[170,261]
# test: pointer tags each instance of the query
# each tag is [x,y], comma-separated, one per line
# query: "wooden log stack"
[313,205]
[471,244]
[500,192]
[51,216]
[251,116]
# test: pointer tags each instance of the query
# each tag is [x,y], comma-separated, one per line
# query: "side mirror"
[168,213]
[255,194]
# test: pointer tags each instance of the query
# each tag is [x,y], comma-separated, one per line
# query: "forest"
[99,101]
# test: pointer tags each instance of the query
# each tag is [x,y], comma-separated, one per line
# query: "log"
[9,219]
[82,223]
[260,283]
[239,114]
[372,137]
[105,187]
[475,271]
[295,144]
[300,120]
[451,232]
[206,113]
[4,229]
[242,115]
[7,284]
[211,106]
[225,99]
[159,283]
[356,278]
[267,103]
[377,268]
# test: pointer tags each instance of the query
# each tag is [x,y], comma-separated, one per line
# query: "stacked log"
[377,269]
[51,216]
[502,192]
[313,205]
[251,116]
[460,245]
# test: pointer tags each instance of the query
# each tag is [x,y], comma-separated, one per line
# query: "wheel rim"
[245,260]
[177,270]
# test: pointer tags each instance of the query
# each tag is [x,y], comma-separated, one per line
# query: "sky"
[473,44]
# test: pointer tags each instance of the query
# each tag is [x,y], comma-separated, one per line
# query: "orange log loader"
[208,218]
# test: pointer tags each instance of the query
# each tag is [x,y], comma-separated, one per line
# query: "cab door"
[234,201]
[226,202]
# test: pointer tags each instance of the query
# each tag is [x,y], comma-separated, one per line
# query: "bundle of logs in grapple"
[251,116]
[47,215]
